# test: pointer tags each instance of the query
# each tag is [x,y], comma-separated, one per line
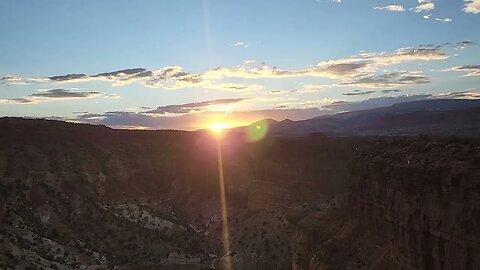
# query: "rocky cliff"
[412,204]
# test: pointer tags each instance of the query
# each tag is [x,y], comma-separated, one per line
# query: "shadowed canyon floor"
[88,197]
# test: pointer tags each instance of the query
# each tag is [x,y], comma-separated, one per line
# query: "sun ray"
[223,201]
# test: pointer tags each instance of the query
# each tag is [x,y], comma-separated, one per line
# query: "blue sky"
[184,64]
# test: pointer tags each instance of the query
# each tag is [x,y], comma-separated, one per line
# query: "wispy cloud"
[195,107]
[396,8]
[359,93]
[472,6]
[469,94]
[388,91]
[16,80]
[119,77]
[56,94]
[444,20]
[428,16]
[390,79]
[239,44]
[471,70]
[310,88]
[462,44]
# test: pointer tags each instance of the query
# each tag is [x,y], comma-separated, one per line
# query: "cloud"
[396,8]
[445,20]
[55,94]
[304,104]
[170,77]
[15,80]
[389,79]
[472,6]
[69,77]
[249,61]
[427,16]
[119,77]
[408,55]
[323,70]
[472,70]
[346,68]
[462,44]
[359,93]
[63,93]
[239,44]
[235,87]
[174,77]
[424,6]
[16,101]
[388,91]
[194,107]
[311,88]
[469,94]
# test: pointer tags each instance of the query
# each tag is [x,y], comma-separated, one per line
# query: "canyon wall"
[88,196]
[412,204]
[136,198]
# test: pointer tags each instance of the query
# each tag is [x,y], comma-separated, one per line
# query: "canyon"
[76,196]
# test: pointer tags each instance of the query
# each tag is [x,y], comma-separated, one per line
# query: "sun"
[218,127]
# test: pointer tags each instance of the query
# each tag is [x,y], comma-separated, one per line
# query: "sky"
[187,64]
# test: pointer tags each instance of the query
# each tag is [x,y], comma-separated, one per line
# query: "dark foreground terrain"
[88,197]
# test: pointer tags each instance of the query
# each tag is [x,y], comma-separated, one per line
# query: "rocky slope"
[89,197]
[79,196]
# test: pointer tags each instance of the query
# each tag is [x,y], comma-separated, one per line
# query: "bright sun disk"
[219,127]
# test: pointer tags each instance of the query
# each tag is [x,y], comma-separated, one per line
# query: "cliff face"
[412,205]
[424,202]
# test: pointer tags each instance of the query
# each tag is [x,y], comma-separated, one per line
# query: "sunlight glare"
[218,127]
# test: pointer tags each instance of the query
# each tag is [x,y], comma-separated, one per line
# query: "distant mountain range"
[439,117]
[436,117]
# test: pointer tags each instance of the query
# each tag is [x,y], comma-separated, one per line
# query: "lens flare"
[223,201]
[257,131]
